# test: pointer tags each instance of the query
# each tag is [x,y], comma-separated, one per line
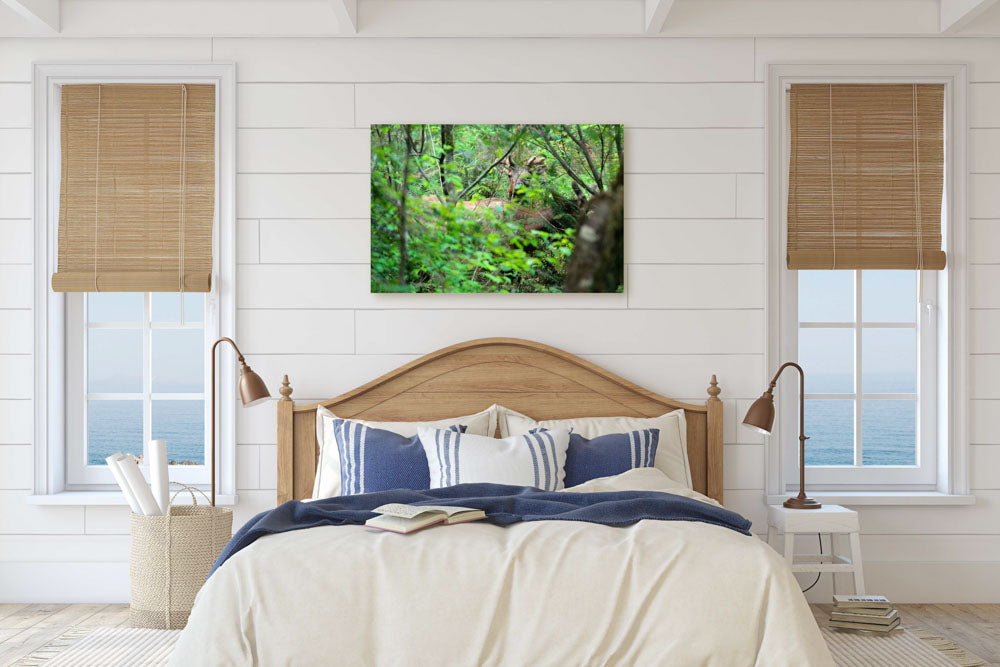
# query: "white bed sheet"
[540,593]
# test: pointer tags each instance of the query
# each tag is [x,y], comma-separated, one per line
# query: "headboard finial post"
[713,389]
[286,442]
[285,390]
[713,446]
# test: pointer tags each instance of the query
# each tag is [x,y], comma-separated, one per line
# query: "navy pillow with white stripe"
[610,454]
[372,459]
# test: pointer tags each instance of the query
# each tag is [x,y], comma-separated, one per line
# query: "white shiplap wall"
[694,114]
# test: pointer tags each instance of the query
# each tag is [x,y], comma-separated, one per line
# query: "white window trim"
[952,477]
[49,307]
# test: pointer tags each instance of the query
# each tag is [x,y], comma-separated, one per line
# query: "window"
[883,349]
[136,372]
[115,369]
[862,339]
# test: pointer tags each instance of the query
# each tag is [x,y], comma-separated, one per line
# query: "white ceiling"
[473,18]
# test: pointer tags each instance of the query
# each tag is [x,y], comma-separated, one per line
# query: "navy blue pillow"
[372,459]
[610,454]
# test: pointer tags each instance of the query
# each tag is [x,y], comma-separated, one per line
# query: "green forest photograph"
[497,208]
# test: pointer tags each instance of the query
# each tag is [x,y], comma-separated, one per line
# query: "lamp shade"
[760,416]
[252,388]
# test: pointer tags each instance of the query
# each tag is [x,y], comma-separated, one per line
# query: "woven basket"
[170,559]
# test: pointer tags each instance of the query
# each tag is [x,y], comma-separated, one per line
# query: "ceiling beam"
[347,14]
[656,15]
[958,14]
[44,13]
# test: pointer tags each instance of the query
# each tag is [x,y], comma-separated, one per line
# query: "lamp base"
[802,504]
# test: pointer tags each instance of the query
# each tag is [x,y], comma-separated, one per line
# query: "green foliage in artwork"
[483,208]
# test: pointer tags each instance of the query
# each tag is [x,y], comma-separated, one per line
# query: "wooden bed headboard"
[540,381]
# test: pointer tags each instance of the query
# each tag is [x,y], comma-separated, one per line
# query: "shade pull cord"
[833,205]
[916,183]
[180,242]
[97,181]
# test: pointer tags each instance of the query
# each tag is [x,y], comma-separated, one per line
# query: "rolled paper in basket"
[136,482]
[158,474]
[122,483]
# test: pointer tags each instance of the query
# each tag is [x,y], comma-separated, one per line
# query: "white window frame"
[945,308]
[51,482]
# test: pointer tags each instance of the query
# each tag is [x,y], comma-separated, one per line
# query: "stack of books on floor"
[864,613]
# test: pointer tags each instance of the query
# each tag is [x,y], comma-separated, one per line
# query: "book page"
[406,511]
[398,524]
[450,511]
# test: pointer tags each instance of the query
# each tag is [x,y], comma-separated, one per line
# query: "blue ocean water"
[888,432]
[888,426]
[116,426]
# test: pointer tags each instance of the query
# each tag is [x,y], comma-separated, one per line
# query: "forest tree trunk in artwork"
[445,158]
[598,256]
[404,259]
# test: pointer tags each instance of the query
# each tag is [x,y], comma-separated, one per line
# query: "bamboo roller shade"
[137,190]
[866,176]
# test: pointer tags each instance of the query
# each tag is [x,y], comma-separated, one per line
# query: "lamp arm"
[802,422]
[239,355]
[802,395]
[781,368]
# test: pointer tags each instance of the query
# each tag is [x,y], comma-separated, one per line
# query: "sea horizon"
[888,433]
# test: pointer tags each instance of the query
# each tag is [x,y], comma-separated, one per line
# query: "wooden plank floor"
[974,627]
[26,627]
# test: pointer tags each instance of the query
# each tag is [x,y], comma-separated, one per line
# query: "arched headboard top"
[539,380]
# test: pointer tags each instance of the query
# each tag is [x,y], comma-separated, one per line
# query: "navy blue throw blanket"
[502,503]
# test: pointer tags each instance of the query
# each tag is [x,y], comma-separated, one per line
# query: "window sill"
[851,498]
[112,498]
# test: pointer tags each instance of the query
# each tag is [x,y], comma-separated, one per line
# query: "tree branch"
[488,169]
[564,165]
[582,145]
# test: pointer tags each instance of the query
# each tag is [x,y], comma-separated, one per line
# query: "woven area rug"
[102,647]
[914,648]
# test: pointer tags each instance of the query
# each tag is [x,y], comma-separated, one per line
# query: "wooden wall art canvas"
[497,208]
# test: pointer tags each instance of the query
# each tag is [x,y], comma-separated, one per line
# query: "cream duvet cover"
[539,593]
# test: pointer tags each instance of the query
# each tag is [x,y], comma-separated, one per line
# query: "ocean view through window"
[858,341]
[145,374]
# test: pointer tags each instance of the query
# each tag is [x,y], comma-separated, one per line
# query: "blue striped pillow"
[372,459]
[610,454]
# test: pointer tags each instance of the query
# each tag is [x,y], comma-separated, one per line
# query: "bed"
[544,592]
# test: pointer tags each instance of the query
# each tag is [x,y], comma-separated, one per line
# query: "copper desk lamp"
[252,391]
[760,417]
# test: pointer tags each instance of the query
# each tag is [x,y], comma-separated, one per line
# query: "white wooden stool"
[832,519]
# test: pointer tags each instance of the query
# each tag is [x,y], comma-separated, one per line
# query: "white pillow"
[671,452]
[536,459]
[327,482]
[639,479]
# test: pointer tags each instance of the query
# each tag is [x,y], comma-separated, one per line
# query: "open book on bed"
[402,518]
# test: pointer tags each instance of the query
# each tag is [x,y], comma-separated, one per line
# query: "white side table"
[832,519]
